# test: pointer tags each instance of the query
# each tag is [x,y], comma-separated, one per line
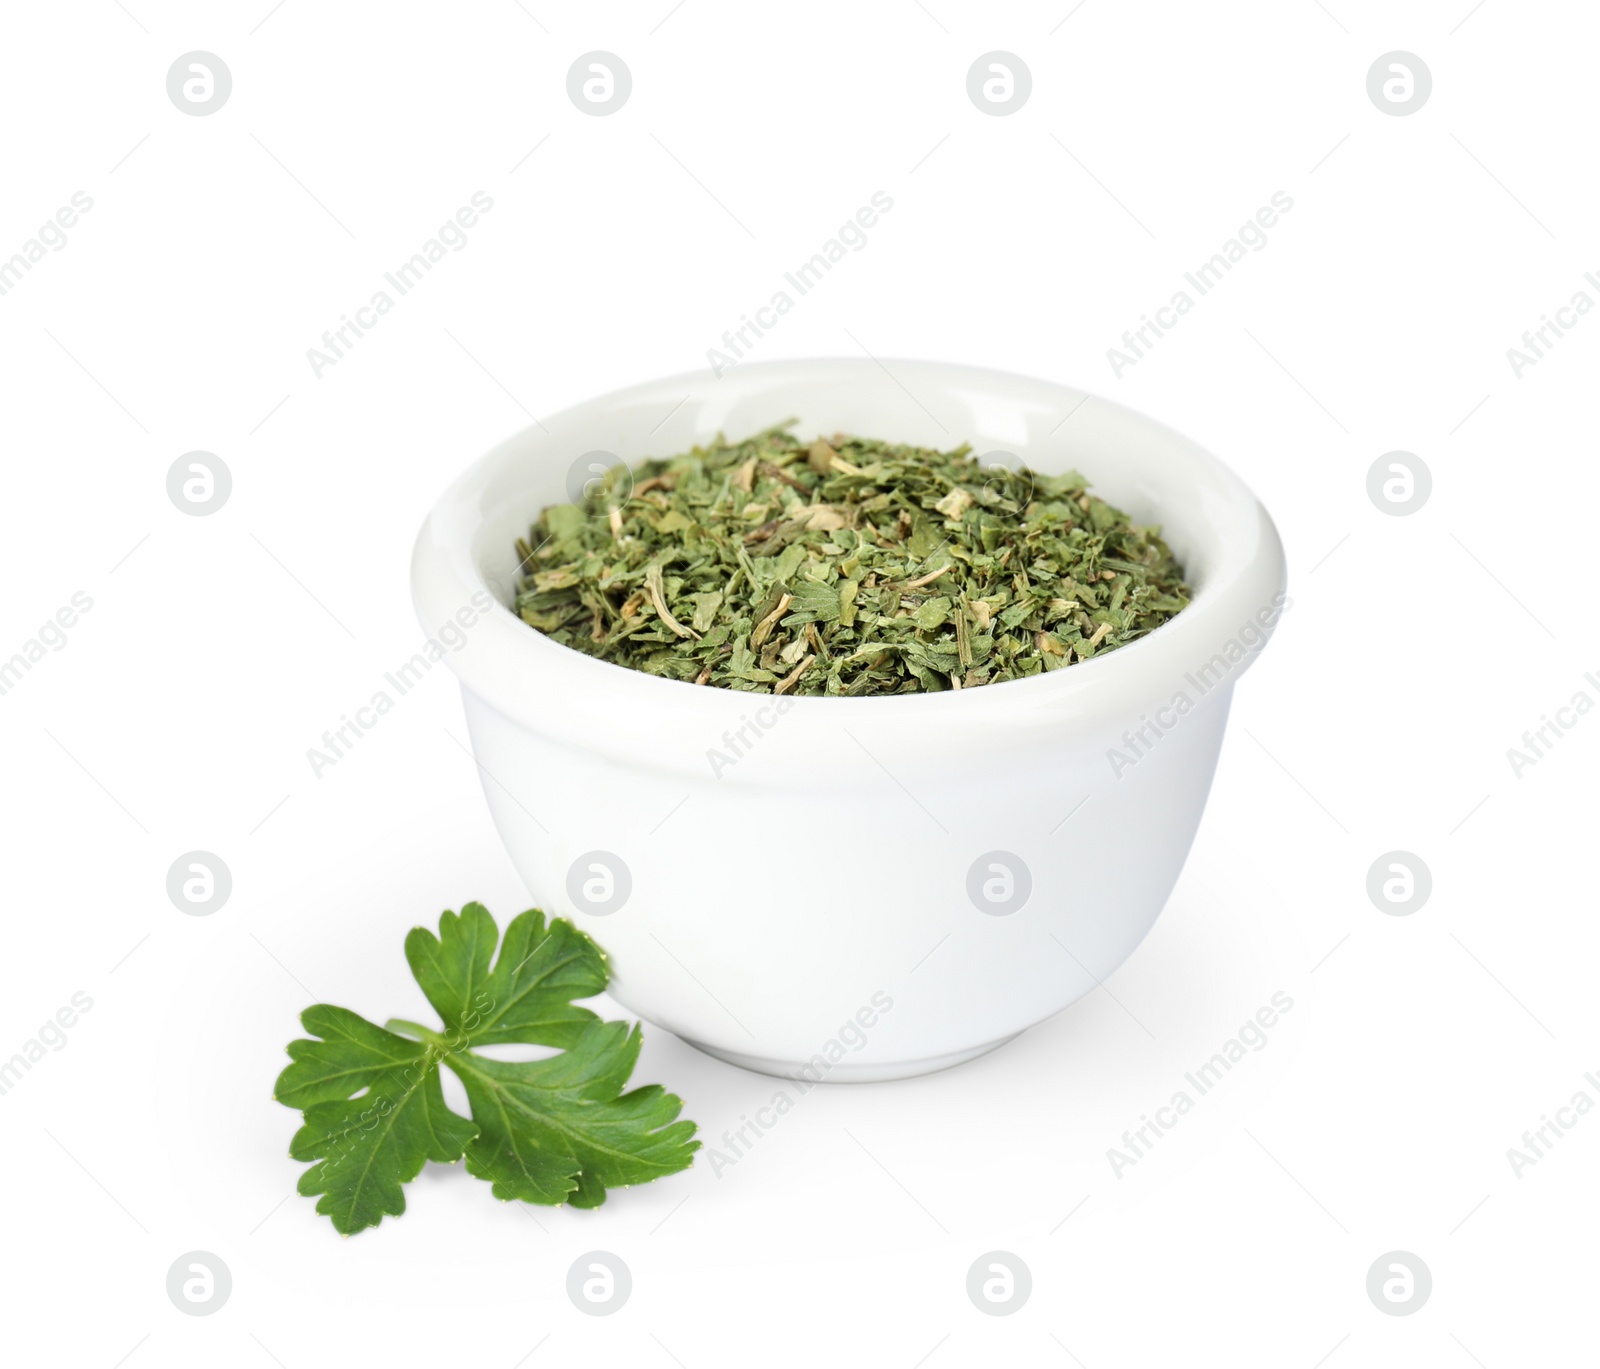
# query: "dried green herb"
[842,566]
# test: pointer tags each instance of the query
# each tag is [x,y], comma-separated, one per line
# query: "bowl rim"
[521,671]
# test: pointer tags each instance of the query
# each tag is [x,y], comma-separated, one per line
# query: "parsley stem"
[415,1031]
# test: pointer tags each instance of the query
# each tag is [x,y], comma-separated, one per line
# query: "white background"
[177,717]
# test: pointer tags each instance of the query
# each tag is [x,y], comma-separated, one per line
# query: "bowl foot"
[848,1072]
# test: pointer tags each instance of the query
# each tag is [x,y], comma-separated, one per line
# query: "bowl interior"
[1152,473]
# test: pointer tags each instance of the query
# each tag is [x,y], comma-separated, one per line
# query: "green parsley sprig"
[551,1131]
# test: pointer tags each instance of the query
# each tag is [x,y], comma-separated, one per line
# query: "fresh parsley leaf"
[527,996]
[570,1104]
[367,1146]
[545,1131]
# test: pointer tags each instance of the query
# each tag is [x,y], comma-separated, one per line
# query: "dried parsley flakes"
[842,566]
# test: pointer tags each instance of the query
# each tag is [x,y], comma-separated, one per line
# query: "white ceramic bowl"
[873,887]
